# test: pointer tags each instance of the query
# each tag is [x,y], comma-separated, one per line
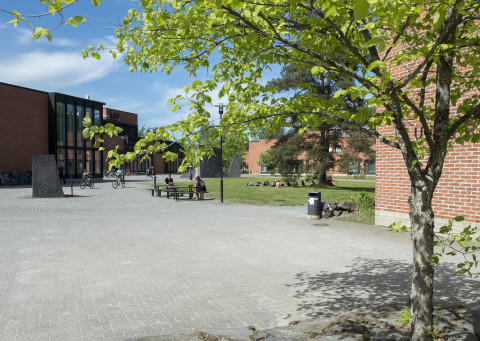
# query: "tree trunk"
[322,177]
[421,217]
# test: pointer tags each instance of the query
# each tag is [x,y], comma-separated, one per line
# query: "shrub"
[365,202]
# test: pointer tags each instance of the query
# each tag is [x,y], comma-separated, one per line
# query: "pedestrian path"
[118,264]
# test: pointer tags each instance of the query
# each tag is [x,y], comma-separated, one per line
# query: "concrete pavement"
[119,264]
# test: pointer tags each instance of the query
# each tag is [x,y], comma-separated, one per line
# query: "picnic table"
[177,191]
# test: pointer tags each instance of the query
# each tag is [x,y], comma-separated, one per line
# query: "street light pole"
[220,111]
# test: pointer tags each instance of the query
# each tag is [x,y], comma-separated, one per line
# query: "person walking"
[61,174]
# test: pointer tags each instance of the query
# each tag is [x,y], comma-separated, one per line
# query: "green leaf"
[79,18]
[71,21]
[373,42]
[434,258]
[38,33]
[378,63]
[459,218]
[330,10]
[86,133]
[87,122]
[361,9]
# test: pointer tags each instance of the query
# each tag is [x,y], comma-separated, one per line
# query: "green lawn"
[234,190]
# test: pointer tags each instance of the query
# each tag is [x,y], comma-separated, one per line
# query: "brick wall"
[24,127]
[253,154]
[458,192]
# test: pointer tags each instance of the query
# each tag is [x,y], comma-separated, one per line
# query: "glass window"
[71,163]
[98,160]
[61,157]
[60,123]
[370,166]
[90,166]
[97,117]
[80,163]
[70,124]
[79,119]
[89,113]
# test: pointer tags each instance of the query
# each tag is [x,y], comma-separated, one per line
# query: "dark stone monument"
[212,167]
[45,180]
[234,171]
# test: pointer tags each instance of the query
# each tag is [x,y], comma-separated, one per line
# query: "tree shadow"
[377,286]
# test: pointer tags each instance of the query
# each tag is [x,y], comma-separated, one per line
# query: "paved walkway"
[120,264]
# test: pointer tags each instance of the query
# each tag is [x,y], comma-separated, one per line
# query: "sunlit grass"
[236,191]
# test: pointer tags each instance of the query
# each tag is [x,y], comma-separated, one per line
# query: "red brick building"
[255,148]
[35,122]
[458,191]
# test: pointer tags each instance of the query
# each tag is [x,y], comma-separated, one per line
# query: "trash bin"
[314,205]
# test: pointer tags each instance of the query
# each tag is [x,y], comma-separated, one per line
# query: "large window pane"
[70,124]
[90,167]
[61,157]
[60,123]
[71,163]
[89,113]
[80,163]
[98,160]
[79,120]
[97,117]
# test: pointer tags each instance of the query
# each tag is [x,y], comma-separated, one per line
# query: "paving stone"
[119,264]
[381,334]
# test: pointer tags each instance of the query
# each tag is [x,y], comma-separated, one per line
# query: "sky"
[58,66]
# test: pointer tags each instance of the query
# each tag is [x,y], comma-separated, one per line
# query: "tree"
[356,150]
[233,144]
[436,41]
[321,143]
[283,158]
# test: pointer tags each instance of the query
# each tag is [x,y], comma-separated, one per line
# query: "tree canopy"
[437,43]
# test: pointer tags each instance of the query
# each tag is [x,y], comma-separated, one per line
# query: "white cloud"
[53,71]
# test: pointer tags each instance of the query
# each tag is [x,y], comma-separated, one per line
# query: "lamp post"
[220,111]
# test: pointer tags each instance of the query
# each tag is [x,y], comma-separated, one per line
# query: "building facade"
[36,122]
[458,191]
[255,148]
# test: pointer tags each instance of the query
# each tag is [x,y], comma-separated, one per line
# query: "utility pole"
[220,111]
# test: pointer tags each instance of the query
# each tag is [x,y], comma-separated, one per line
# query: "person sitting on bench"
[199,186]
[169,180]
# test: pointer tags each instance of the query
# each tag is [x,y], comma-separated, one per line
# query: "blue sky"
[58,66]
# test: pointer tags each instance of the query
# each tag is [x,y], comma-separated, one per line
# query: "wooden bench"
[174,192]
[200,194]
[157,191]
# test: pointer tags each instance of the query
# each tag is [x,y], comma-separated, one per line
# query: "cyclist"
[86,177]
[119,175]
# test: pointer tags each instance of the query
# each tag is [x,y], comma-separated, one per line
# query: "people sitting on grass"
[257,184]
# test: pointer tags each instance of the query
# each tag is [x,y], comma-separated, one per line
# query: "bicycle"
[85,183]
[115,182]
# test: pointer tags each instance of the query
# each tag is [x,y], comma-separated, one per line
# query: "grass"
[234,190]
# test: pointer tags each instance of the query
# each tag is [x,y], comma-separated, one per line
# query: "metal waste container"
[314,205]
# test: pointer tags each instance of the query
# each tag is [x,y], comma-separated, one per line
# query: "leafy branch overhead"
[434,46]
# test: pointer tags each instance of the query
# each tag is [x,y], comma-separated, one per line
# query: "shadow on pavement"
[376,286]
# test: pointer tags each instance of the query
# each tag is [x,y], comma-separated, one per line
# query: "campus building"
[255,148]
[37,122]
[458,191]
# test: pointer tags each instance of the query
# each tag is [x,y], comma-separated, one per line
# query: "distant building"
[255,148]
[36,122]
